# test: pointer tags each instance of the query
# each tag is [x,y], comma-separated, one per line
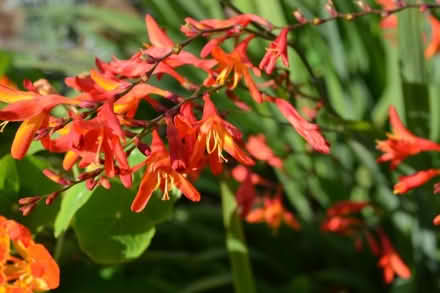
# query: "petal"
[10,95]
[50,269]
[255,93]
[235,151]
[185,186]
[104,82]
[149,184]
[156,35]
[69,160]
[399,267]
[25,134]
[309,131]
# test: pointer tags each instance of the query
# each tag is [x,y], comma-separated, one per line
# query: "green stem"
[243,279]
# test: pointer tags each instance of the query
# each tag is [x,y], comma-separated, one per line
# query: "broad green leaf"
[73,199]
[236,244]
[109,232]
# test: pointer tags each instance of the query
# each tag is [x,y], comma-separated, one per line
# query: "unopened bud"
[104,182]
[91,183]
[330,7]
[51,197]
[364,6]
[28,200]
[423,8]
[299,16]
[317,21]
[56,178]
[144,148]
[27,209]
[400,3]
[348,16]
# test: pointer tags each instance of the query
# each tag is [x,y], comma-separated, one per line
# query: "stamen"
[3,125]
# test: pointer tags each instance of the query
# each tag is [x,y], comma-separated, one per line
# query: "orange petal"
[156,35]
[150,182]
[69,160]
[234,150]
[103,81]
[185,187]
[9,95]
[25,134]
[45,267]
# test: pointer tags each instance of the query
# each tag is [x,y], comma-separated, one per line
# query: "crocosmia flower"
[234,66]
[309,131]
[214,136]
[390,261]
[160,175]
[273,213]
[25,266]
[401,143]
[33,108]
[407,183]
[277,48]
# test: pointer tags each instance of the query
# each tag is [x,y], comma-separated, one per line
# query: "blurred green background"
[362,73]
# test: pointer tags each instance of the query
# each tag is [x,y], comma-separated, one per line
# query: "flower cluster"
[401,144]
[25,266]
[343,218]
[100,128]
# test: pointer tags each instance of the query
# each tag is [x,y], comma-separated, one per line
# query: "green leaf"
[73,199]
[109,232]
[411,45]
[9,180]
[236,244]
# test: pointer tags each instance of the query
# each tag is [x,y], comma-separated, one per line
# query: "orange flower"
[145,61]
[407,183]
[31,107]
[237,63]
[338,218]
[257,147]
[28,266]
[214,136]
[273,213]
[160,174]
[309,131]
[390,261]
[401,143]
[276,49]
[232,27]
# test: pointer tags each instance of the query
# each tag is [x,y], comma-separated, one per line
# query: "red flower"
[309,131]
[145,61]
[346,207]
[390,261]
[273,213]
[257,147]
[160,174]
[276,49]
[232,27]
[88,139]
[28,267]
[338,219]
[192,26]
[407,183]
[237,63]
[401,143]
[31,107]
[214,136]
